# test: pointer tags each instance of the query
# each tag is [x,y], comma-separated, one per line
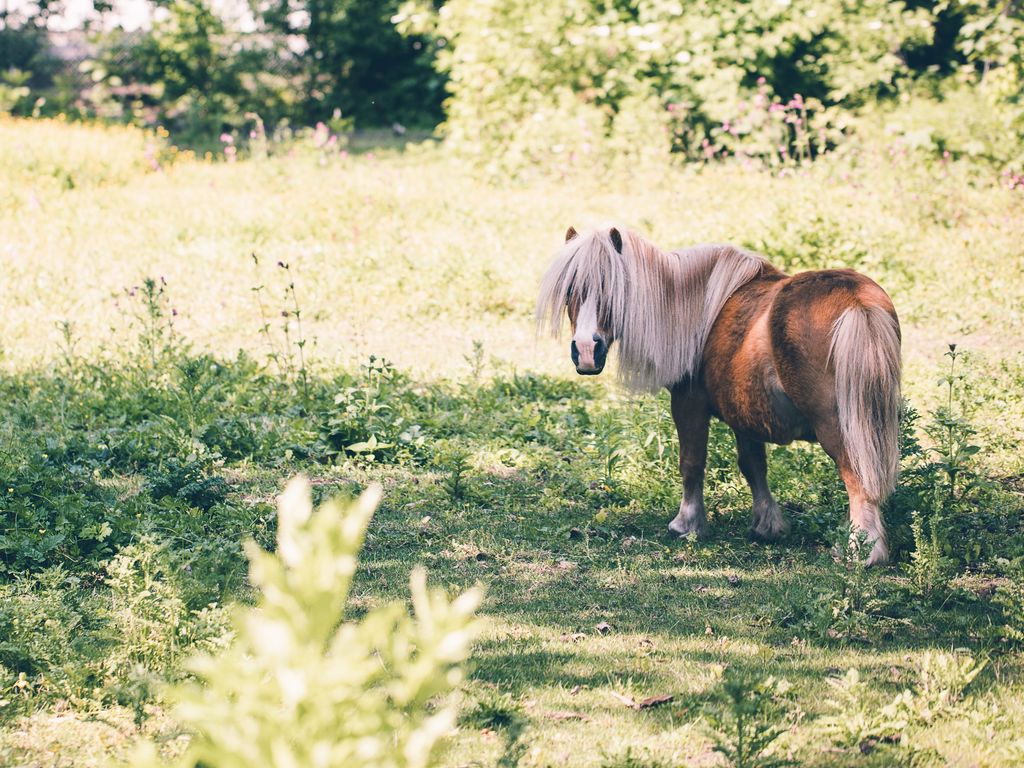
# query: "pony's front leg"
[768,523]
[691,415]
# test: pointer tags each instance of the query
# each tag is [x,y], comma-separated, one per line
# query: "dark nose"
[600,354]
[600,351]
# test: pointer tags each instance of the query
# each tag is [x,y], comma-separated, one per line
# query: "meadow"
[179,336]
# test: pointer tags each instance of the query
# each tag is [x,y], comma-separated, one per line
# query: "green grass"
[139,447]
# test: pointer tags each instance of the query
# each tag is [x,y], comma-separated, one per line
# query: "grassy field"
[149,426]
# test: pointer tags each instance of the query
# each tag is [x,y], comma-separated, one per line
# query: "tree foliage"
[578,67]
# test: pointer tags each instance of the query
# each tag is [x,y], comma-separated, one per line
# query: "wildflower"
[762,80]
[321,133]
[227,138]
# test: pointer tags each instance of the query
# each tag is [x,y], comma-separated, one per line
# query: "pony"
[813,356]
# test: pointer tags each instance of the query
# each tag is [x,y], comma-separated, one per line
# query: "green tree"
[352,59]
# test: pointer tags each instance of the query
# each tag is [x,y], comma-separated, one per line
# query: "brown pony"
[813,356]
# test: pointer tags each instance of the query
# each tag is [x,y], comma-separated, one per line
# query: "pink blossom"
[227,138]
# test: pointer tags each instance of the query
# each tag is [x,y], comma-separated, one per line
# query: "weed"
[857,721]
[453,460]
[749,717]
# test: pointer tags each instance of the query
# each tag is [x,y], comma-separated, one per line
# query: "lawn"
[180,336]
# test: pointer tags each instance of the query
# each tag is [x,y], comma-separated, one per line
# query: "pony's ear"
[616,239]
[570,233]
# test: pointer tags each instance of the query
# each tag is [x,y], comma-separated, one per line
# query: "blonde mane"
[661,305]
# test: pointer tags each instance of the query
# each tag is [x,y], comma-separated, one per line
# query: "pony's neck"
[675,299]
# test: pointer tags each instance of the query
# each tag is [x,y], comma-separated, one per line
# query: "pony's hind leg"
[865,512]
[691,416]
[865,517]
[767,523]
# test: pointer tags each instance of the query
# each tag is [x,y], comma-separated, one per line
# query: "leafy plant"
[453,461]
[188,481]
[749,717]
[301,685]
[856,720]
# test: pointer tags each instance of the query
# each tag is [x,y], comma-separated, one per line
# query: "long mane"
[661,305]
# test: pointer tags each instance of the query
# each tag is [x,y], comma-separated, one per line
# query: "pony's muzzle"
[589,356]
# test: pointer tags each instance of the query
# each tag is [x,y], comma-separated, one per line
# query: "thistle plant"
[300,685]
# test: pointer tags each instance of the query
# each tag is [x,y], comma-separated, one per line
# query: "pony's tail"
[865,355]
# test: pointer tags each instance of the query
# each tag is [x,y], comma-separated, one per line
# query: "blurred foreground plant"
[300,686]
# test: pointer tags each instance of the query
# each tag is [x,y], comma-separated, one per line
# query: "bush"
[586,68]
[302,686]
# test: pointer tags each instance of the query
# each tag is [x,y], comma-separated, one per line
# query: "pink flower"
[761,80]
[227,138]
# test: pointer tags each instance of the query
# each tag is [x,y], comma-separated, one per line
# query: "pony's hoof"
[768,535]
[683,528]
[879,555]
[771,529]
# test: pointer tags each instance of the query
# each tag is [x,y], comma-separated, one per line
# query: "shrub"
[300,685]
[588,71]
